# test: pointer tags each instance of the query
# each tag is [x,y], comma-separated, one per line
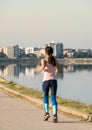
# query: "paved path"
[17,114]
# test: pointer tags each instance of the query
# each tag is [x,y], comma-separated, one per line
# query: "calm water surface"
[75,82]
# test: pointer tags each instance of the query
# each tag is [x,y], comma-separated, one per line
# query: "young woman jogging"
[50,67]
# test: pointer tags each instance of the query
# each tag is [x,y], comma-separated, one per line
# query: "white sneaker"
[46,116]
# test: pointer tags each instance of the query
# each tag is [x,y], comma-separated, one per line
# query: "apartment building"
[9,51]
[57,49]
[16,51]
[29,50]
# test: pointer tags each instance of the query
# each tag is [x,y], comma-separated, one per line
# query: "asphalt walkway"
[17,114]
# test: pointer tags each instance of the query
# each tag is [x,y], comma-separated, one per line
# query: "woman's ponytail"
[51,59]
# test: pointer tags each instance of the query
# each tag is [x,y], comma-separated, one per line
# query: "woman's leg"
[53,96]
[46,100]
[45,87]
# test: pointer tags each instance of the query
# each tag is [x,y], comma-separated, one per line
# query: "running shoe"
[46,116]
[55,118]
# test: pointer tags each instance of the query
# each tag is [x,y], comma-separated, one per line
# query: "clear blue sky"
[36,22]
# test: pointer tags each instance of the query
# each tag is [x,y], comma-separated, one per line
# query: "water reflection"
[16,69]
[32,70]
[74,68]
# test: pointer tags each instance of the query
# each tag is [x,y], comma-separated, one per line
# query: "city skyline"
[34,23]
[40,47]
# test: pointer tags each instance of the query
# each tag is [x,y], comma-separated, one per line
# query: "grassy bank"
[37,94]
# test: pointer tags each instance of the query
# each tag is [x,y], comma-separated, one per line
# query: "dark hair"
[49,51]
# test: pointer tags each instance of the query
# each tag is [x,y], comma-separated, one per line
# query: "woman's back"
[49,72]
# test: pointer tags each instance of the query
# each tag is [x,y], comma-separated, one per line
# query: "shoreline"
[82,61]
[37,98]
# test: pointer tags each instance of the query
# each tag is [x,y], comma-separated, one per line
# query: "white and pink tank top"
[49,72]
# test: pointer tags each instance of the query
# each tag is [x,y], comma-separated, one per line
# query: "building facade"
[9,51]
[57,49]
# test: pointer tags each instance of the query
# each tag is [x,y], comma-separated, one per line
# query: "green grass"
[37,94]
[75,105]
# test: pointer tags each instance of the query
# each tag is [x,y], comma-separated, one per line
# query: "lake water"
[75,81]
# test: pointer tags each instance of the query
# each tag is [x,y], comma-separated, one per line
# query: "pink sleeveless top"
[49,72]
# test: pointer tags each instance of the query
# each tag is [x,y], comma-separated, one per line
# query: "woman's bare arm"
[43,63]
[58,67]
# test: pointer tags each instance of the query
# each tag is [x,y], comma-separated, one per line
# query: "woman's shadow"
[71,121]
